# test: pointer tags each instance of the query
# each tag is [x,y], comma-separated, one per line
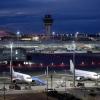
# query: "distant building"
[4,35]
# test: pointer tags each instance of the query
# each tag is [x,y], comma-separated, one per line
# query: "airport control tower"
[48,23]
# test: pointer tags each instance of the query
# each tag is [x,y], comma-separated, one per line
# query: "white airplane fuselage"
[21,77]
[83,74]
[86,74]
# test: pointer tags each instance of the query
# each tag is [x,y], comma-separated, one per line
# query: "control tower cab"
[48,21]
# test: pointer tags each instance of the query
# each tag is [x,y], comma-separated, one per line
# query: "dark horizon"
[69,16]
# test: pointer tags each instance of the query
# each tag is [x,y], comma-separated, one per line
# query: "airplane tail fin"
[71,66]
[11,69]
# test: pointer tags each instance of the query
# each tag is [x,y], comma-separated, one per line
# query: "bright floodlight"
[18,32]
[53,33]
[76,34]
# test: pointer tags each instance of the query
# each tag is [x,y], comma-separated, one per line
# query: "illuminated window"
[16,52]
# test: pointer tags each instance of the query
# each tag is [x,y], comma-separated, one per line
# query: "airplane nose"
[30,80]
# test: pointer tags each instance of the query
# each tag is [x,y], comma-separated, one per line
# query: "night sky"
[69,15]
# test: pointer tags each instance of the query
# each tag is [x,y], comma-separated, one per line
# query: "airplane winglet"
[71,65]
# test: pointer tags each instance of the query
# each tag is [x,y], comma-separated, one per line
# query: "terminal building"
[36,52]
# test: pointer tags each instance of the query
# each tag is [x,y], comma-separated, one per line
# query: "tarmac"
[63,83]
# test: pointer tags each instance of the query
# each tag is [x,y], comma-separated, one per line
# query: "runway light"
[82,63]
[41,65]
[52,64]
[92,63]
[19,65]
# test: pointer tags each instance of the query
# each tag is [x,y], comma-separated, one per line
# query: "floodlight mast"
[11,46]
[47,78]
[74,48]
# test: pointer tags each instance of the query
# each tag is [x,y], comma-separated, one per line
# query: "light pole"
[74,47]
[65,79]
[47,81]
[11,46]
[4,88]
[47,78]
[18,34]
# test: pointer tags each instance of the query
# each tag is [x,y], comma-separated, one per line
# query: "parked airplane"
[16,76]
[20,77]
[83,75]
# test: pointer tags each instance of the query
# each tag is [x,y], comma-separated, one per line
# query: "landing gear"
[11,86]
[28,86]
[14,86]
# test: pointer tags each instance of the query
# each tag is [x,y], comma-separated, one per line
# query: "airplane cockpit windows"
[28,77]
